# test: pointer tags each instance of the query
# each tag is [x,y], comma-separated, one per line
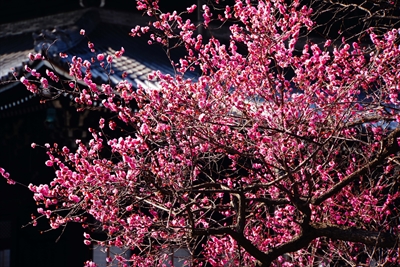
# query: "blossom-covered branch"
[273,156]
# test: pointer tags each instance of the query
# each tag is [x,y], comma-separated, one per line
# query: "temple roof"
[108,30]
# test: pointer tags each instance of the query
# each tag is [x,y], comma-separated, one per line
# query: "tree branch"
[249,247]
[369,238]
[390,146]
[270,201]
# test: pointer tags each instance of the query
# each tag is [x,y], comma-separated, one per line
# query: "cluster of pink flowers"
[260,149]
[6,175]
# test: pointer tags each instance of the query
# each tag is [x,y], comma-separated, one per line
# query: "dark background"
[12,10]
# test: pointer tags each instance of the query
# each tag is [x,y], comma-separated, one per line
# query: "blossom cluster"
[264,146]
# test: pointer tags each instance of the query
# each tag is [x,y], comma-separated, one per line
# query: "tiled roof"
[18,39]
[14,52]
[108,30]
[32,25]
[138,61]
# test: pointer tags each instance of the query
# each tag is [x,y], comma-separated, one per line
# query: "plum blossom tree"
[274,156]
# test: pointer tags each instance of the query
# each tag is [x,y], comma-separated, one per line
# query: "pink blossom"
[112,125]
[35,73]
[129,208]
[24,81]
[109,59]
[44,82]
[38,56]
[52,75]
[100,57]
[191,9]
[90,264]
[144,129]
[202,117]
[119,53]
[49,163]
[74,198]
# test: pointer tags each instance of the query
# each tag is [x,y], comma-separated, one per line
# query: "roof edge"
[32,25]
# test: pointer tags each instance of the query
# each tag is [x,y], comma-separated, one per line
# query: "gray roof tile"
[138,61]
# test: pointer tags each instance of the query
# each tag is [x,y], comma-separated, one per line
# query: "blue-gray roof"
[138,61]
